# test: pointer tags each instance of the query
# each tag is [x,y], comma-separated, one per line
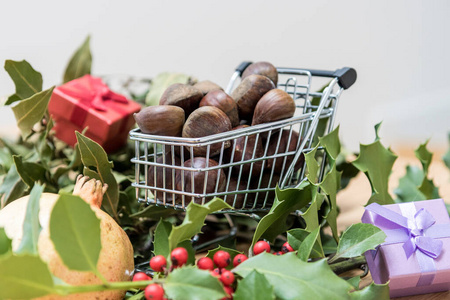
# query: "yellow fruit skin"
[115,263]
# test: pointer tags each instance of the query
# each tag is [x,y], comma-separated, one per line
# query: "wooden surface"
[352,199]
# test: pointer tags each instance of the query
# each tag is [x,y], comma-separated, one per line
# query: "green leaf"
[44,148]
[31,110]
[372,292]
[31,225]
[286,201]
[407,189]
[80,63]
[232,252]
[332,144]
[12,187]
[161,241]
[376,162]
[424,157]
[75,233]
[97,165]
[331,185]
[154,212]
[29,172]
[5,243]
[297,236]
[24,277]
[357,239]
[446,157]
[160,83]
[292,278]
[306,247]
[26,79]
[354,281]
[192,283]
[312,165]
[311,215]
[254,286]
[194,221]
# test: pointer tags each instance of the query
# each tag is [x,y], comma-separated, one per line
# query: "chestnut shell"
[283,148]
[222,100]
[183,95]
[164,176]
[275,105]
[165,120]
[262,68]
[206,86]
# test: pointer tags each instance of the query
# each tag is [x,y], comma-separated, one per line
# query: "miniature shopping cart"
[247,184]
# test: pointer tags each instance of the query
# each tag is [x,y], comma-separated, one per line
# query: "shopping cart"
[274,151]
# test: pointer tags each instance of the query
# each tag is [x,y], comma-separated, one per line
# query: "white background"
[400,50]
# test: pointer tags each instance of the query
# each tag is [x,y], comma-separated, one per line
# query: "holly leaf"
[29,172]
[24,277]
[254,286]
[154,212]
[372,292]
[31,225]
[160,83]
[286,201]
[307,245]
[331,144]
[75,233]
[97,165]
[5,243]
[376,162]
[407,189]
[26,79]
[446,157]
[293,278]
[161,241]
[297,236]
[232,252]
[357,239]
[312,165]
[194,221]
[80,63]
[193,284]
[12,187]
[29,111]
[331,185]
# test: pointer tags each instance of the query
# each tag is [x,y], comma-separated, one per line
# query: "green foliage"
[357,239]
[192,283]
[307,245]
[232,252]
[446,157]
[5,243]
[31,225]
[12,187]
[376,162]
[80,63]
[75,232]
[297,236]
[161,239]
[254,286]
[160,83]
[27,80]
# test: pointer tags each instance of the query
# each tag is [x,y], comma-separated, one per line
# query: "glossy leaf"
[161,240]
[312,165]
[97,165]
[5,243]
[29,172]
[293,278]
[233,253]
[254,286]
[30,111]
[160,83]
[332,144]
[194,221]
[306,247]
[80,63]
[286,201]
[372,292]
[75,233]
[311,215]
[12,187]
[153,212]
[24,277]
[376,162]
[31,225]
[192,283]
[26,79]
[357,239]
[297,236]
[331,185]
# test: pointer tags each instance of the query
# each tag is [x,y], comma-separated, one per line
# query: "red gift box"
[88,102]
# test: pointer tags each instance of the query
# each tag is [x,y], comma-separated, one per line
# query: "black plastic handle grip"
[346,76]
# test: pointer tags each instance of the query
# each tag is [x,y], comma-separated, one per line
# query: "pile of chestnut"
[204,109]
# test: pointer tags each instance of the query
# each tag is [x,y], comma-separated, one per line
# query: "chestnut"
[164,176]
[207,86]
[222,100]
[205,121]
[183,95]
[248,93]
[268,180]
[283,147]
[165,120]
[262,68]
[275,105]
[240,197]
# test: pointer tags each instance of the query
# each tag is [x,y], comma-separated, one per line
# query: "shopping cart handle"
[242,66]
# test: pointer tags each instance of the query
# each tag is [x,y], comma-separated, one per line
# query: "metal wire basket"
[273,151]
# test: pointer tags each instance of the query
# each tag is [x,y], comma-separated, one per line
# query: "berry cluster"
[263,246]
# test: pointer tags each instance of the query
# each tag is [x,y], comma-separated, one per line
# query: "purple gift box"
[415,258]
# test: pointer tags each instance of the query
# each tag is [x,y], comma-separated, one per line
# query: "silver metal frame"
[254,192]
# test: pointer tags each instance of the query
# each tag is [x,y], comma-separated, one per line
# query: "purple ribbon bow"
[416,230]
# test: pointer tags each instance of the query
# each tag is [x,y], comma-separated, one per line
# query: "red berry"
[238,259]
[287,248]
[179,256]
[229,290]
[261,246]
[205,263]
[216,272]
[154,292]
[141,276]
[158,263]
[222,259]
[227,277]
[278,253]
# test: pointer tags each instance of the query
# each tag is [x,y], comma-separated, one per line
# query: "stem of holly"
[348,264]
[122,285]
